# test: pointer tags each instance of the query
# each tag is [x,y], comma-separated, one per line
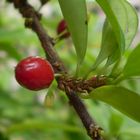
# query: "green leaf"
[50,97]
[113,57]
[115,123]
[122,99]
[131,131]
[132,67]
[122,15]
[128,25]
[75,14]
[109,43]
[109,7]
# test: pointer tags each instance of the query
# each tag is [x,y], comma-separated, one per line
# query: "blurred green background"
[46,115]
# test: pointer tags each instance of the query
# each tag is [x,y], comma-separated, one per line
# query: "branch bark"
[33,22]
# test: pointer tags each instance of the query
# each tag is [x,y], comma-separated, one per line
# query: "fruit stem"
[58,37]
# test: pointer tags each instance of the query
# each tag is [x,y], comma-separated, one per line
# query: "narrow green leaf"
[120,14]
[109,43]
[124,13]
[49,98]
[132,67]
[128,25]
[131,131]
[109,7]
[122,99]
[115,123]
[113,57]
[75,14]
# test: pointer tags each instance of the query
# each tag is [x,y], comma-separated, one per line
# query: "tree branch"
[32,22]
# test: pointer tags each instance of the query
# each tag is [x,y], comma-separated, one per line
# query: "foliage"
[23,114]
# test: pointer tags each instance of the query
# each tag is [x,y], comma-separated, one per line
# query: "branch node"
[95,132]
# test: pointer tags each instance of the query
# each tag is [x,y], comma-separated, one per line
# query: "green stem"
[77,70]
[89,71]
[57,38]
[87,74]
[119,79]
[115,67]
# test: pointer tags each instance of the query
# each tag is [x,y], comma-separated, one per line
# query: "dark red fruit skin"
[34,73]
[62,26]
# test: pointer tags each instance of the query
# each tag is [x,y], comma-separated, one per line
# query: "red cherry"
[34,73]
[62,26]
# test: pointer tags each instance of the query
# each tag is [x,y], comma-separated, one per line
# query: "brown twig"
[92,129]
[32,22]
[80,85]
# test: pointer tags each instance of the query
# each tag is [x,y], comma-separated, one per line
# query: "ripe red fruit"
[34,73]
[62,26]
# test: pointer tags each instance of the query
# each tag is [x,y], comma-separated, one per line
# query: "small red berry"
[34,73]
[62,26]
